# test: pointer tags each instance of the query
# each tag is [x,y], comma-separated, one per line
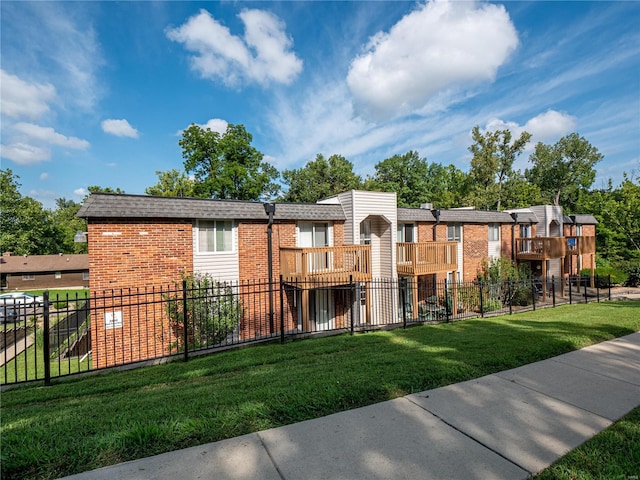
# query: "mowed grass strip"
[85,423]
[613,454]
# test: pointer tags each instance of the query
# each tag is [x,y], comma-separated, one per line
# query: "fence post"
[281,310]
[403,294]
[598,288]
[570,291]
[533,293]
[185,321]
[553,289]
[47,341]
[585,290]
[446,300]
[509,287]
[355,305]
[481,299]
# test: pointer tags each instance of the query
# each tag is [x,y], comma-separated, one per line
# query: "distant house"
[29,272]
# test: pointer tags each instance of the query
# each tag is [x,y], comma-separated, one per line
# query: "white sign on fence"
[112,320]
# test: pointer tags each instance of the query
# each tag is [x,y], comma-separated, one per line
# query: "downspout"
[270,209]
[513,236]
[436,214]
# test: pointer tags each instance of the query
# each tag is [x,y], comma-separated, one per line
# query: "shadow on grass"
[86,423]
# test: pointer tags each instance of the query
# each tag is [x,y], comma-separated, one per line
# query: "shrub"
[633,278]
[213,311]
[618,277]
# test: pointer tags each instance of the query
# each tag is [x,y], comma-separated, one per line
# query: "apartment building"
[353,238]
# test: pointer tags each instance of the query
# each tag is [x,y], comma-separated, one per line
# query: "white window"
[215,236]
[85,275]
[313,234]
[58,275]
[525,230]
[365,232]
[454,233]
[405,232]
[28,277]
[494,232]
[578,230]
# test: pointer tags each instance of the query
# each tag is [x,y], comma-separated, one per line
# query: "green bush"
[618,277]
[491,305]
[633,277]
[213,311]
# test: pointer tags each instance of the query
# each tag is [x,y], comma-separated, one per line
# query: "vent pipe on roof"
[436,214]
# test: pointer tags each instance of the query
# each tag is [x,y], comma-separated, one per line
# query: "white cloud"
[21,99]
[216,125]
[546,127]
[24,154]
[44,176]
[436,51]
[119,128]
[80,192]
[50,136]
[263,55]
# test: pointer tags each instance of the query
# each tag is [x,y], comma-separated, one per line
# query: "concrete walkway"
[509,425]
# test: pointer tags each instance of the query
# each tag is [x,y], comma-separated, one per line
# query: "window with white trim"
[314,234]
[85,275]
[454,232]
[525,230]
[405,232]
[28,277]
[494,232]
[58,275]
[215,236]
[365,232]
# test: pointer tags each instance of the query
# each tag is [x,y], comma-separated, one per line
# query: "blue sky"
[97,93]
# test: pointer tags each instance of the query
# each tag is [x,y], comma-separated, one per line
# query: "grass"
[29,364]
[613,454]
[85,423]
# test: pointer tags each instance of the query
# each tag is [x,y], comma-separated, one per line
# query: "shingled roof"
[584,219]
[43,263]
[108,205]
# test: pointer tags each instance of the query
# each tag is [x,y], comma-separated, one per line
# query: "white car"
[16,298]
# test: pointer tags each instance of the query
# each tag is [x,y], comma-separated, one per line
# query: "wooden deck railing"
[543,248]
[426,257]
[326,264]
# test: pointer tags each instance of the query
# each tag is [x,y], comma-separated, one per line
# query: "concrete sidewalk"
[509,425]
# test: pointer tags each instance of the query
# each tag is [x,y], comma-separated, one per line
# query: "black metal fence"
[71,335]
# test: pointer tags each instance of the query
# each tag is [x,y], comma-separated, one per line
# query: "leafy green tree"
[320,178]
[445,185]
[519,193]
[65,219]
[564,170]
[172,183]
[26,227]
[99,189]
[492,165]
[616,209]
[227,166]
[404,174]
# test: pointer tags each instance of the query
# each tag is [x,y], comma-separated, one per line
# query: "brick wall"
[126,259]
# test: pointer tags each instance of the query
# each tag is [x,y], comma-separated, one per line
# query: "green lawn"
[613,454]
[84,423]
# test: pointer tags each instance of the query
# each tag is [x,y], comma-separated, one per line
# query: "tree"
[227,166]
[26,227]
[320,178]
[564,170]
[518,193]
[618,230]
[404,174]
[492,165]
[172,183]
[99,189]
[65,219]
[445,186]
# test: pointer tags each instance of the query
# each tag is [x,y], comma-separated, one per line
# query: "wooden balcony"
[330,265]
[545,248]
[426,257]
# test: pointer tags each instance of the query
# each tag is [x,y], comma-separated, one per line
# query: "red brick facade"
[134,254]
